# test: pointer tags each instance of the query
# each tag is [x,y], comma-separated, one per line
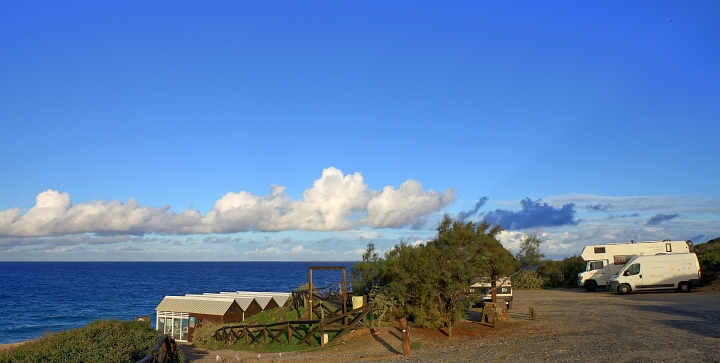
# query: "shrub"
[528,280]
[382,304]
[111,341]
[709,257]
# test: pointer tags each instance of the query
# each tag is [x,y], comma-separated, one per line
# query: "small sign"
[192,321]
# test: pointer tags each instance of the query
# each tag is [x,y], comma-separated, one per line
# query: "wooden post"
[406,336]
[168,348]
[449,324]
[344,293]
[322,333]
[310,294]
[495,318]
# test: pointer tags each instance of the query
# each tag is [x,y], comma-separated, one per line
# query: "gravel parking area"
[572,326]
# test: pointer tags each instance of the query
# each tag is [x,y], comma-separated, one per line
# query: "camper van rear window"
[599,249]
[622,259]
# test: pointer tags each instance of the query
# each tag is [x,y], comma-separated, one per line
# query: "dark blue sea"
[38,297]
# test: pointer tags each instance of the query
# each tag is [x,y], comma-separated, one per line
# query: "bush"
[528,280]
[709,258]
[383,304]
[111,341]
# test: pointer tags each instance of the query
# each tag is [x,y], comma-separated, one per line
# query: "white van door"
[633,276]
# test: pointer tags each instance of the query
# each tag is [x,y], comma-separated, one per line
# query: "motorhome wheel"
[683,287]
[591,286]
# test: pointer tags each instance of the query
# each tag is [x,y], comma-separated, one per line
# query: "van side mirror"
[626,273]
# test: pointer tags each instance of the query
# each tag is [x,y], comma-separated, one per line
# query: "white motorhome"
[679,271]
[482,287]
[604,261]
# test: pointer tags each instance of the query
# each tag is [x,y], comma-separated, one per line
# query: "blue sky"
[304,130]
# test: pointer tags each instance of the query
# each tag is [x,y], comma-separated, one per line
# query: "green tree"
[427,279]
[367,273]
[529,254]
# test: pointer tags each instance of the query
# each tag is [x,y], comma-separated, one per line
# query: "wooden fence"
[298,331]
[162,353]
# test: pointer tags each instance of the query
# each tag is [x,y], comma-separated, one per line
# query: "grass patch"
[415,345]
[275,315]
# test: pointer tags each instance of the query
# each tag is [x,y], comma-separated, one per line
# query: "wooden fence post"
[168,348]
[406,336]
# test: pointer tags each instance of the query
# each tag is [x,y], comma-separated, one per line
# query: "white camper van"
[667,271]
[604,261]
[481,286]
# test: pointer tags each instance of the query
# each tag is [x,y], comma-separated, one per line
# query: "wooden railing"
[297,331]
[162,353]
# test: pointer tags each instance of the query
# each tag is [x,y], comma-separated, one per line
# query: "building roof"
[194,304]
[200,304]
[280,297]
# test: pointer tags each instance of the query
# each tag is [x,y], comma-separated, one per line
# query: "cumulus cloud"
[533,214]
[334,202]
[408,205]
[466,214]
[659,218]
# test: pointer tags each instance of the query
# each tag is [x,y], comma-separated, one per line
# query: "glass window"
[596,265]
[634,269]
[622,259]
[668,247]
[599,249]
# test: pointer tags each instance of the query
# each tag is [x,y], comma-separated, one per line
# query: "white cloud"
[409,205]
[334,202]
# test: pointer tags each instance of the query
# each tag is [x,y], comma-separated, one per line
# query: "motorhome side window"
[599,249]
[634,269]
[596,265]
[622,259]
[668,247]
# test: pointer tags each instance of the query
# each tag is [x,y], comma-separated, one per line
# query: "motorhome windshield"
[594,265]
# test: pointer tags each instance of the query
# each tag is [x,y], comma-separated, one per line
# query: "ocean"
[39,297]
